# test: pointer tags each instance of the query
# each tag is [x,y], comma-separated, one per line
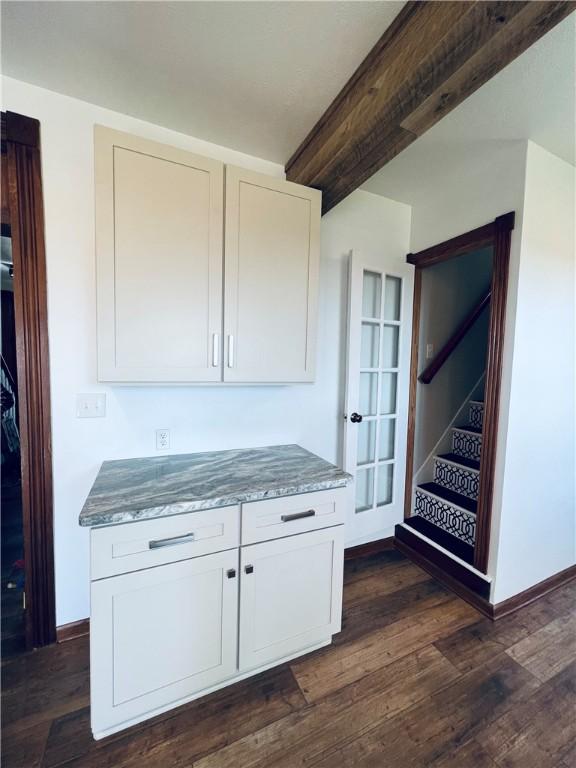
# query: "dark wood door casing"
[498,235]
[23,204]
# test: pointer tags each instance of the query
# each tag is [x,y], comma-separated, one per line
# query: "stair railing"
[432,369]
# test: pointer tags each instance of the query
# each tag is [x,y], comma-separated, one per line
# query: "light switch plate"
[429,351]
[91,406]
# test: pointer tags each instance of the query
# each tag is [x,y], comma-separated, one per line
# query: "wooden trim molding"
[503,226]
[474,240]
[73,630]
[412,388]
[26,214]
[450,573]
[371,548]
[20,129]
[506,607]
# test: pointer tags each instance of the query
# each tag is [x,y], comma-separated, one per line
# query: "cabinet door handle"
[158,543]
[298,515]
[248,568]
[231,573]
[215,350]
[230,351]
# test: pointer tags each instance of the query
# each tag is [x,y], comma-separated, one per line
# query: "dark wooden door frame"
[498,235]
[23,204]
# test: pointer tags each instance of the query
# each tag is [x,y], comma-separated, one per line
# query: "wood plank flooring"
[416,679]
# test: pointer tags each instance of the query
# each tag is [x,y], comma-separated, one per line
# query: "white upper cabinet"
[166,279]
[159,253]
[271,267]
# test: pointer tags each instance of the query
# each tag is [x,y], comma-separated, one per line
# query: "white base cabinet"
[291,595]
[170,633]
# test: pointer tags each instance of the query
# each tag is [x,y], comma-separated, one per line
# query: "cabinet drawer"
[287,515]
[120,549]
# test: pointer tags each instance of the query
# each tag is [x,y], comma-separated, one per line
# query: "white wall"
[466,185]
[536,535]
[200,418]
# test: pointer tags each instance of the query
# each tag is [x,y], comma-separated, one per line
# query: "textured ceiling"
[253,76]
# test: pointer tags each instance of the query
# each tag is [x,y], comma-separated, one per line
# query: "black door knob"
[356,418]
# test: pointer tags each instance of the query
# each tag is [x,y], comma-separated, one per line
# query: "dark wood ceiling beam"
[428,61]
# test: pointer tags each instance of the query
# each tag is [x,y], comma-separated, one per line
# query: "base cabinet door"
[161,635]
[290,595]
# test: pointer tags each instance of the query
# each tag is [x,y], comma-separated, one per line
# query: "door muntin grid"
[380,333]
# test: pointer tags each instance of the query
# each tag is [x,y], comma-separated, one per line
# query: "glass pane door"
[380,334]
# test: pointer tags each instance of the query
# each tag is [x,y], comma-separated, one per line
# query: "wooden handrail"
[431,370]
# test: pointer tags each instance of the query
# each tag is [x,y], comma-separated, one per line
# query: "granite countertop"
[140,489]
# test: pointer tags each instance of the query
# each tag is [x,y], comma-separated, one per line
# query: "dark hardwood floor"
[416,678]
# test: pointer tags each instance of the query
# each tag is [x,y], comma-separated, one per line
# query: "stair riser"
[455,478]
[476,414]
[466,444]
[456,521]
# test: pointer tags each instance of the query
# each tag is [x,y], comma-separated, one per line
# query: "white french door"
[378,364]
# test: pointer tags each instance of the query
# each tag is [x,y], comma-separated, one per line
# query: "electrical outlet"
[162,439]
[91,406]
[429,351]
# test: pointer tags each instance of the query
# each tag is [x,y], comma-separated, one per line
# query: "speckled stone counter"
[140,489]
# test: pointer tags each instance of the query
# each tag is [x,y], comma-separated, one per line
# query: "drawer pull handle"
[248,569]
[298,515]
[231,573]
[158,543]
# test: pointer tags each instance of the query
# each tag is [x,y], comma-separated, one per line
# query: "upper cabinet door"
[159,214]
[271,286]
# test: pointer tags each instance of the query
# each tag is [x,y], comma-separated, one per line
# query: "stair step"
[469,428]
[457,459]
[453,519]
[442,538]
[467,442]
[452,497]
[476,413]
[454,477]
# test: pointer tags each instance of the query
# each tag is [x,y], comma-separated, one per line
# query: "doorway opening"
[459,308]
[13,631]
[452,354]
[28,604]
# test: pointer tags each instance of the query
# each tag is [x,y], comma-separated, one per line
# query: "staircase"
[444,510]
